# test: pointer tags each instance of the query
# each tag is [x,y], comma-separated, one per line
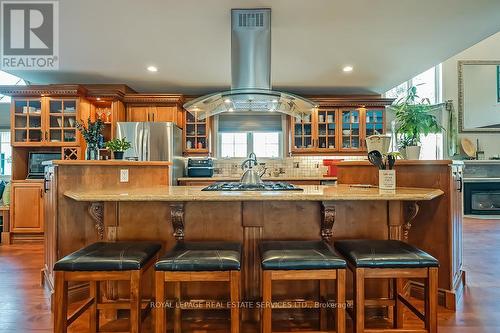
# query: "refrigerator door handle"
[145,144]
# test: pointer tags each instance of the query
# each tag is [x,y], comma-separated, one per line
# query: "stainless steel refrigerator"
[154,141]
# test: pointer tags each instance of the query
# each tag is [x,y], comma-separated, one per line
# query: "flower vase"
[92,152]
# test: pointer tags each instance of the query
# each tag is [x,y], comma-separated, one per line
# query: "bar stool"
[198,261]
[301,260]
[118,261]
[396,260]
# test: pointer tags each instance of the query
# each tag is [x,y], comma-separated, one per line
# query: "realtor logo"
[30,35]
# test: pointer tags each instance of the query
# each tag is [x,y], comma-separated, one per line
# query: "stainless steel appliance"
[251,73]
[481,185]
[200,167]
[264,186]
[251,176]
[154,141]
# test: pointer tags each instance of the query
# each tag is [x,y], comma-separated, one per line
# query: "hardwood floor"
[24,305]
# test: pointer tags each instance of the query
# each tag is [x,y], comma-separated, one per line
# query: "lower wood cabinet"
[27,209]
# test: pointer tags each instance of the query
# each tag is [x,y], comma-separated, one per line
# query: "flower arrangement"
[92,132]
[92,135]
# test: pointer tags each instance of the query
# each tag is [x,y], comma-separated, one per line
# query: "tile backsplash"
[297,166]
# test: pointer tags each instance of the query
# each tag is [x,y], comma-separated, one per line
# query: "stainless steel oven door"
[482,197]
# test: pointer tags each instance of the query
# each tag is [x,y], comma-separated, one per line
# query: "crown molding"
[172,99]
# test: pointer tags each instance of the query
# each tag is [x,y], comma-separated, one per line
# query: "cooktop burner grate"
[266,186]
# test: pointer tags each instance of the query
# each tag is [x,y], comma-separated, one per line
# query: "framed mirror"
[479,96]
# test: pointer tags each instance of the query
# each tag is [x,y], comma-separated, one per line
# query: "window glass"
[426,85]
[233,144]
[9,79]
[266,144]
[5,153]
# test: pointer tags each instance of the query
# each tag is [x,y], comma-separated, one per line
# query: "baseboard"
[446,298]
[26,238]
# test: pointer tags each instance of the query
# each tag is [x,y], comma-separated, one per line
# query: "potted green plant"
[414,119]
[118,147]
[91,133]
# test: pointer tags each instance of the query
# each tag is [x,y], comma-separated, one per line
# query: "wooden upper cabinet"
[138,113]
[196,135]
[336,130]
[44,121]
[155,113]
[27,207]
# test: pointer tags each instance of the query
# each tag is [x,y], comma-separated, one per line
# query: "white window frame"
[438,84]
[218,141]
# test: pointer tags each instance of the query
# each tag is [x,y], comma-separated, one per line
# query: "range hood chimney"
[250,73]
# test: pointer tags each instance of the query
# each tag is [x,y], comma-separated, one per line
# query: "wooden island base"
[146,210]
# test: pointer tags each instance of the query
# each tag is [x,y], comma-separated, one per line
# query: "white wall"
[488,49]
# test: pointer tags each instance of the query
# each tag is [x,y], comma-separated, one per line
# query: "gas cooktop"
[265,186]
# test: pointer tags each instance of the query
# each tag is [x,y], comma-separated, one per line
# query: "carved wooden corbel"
[327,220]
[177,217]
[411,212]
[96,211]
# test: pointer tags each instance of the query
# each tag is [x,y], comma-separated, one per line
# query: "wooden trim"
[171,99]
[197,276]
[320,274]
[395,272]
[44,90]
[352,101]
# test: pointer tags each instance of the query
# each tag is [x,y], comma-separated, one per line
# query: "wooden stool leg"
[177,310]
[61,303]
[94,313]
[398,306]
[340,295]
[235,300]
[266,300]
[431,300]
[160,309]
[323,319]
[135,302]
[359,300]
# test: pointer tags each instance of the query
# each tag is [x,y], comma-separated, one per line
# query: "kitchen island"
[145,209]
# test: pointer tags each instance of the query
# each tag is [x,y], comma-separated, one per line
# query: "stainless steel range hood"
[251,73]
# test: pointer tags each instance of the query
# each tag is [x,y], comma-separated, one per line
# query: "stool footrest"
[411,307]
[394,330]
[120,305]
[81,309]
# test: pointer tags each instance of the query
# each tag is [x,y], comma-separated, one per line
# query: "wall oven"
[482,196]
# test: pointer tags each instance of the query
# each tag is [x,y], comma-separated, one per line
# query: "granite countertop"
[311,193]
[109,162]
[235,178]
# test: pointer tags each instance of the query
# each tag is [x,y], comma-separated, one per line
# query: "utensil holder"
[387,179]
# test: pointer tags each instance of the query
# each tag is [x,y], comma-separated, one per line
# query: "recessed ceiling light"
[152,69]
[98,98]
[230,110]
[347,69]
[227,101]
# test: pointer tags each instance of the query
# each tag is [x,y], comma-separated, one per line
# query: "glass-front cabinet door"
[327,125]
[350,121]
[196,139]
[28,122]
[374,122]
[62,121]
[302,134]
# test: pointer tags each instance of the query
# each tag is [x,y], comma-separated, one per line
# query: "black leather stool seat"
[384,254]
[201,256]
[116,256]
[299,255]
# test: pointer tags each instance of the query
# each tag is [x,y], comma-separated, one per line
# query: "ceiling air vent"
[251,20]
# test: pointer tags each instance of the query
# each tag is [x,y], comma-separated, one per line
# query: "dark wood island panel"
[437,228]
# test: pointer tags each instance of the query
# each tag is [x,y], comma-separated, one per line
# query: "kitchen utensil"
[468,147]
[391,160]
[381,143]
[376,159]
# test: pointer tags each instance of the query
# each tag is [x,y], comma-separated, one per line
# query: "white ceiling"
[387,42]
